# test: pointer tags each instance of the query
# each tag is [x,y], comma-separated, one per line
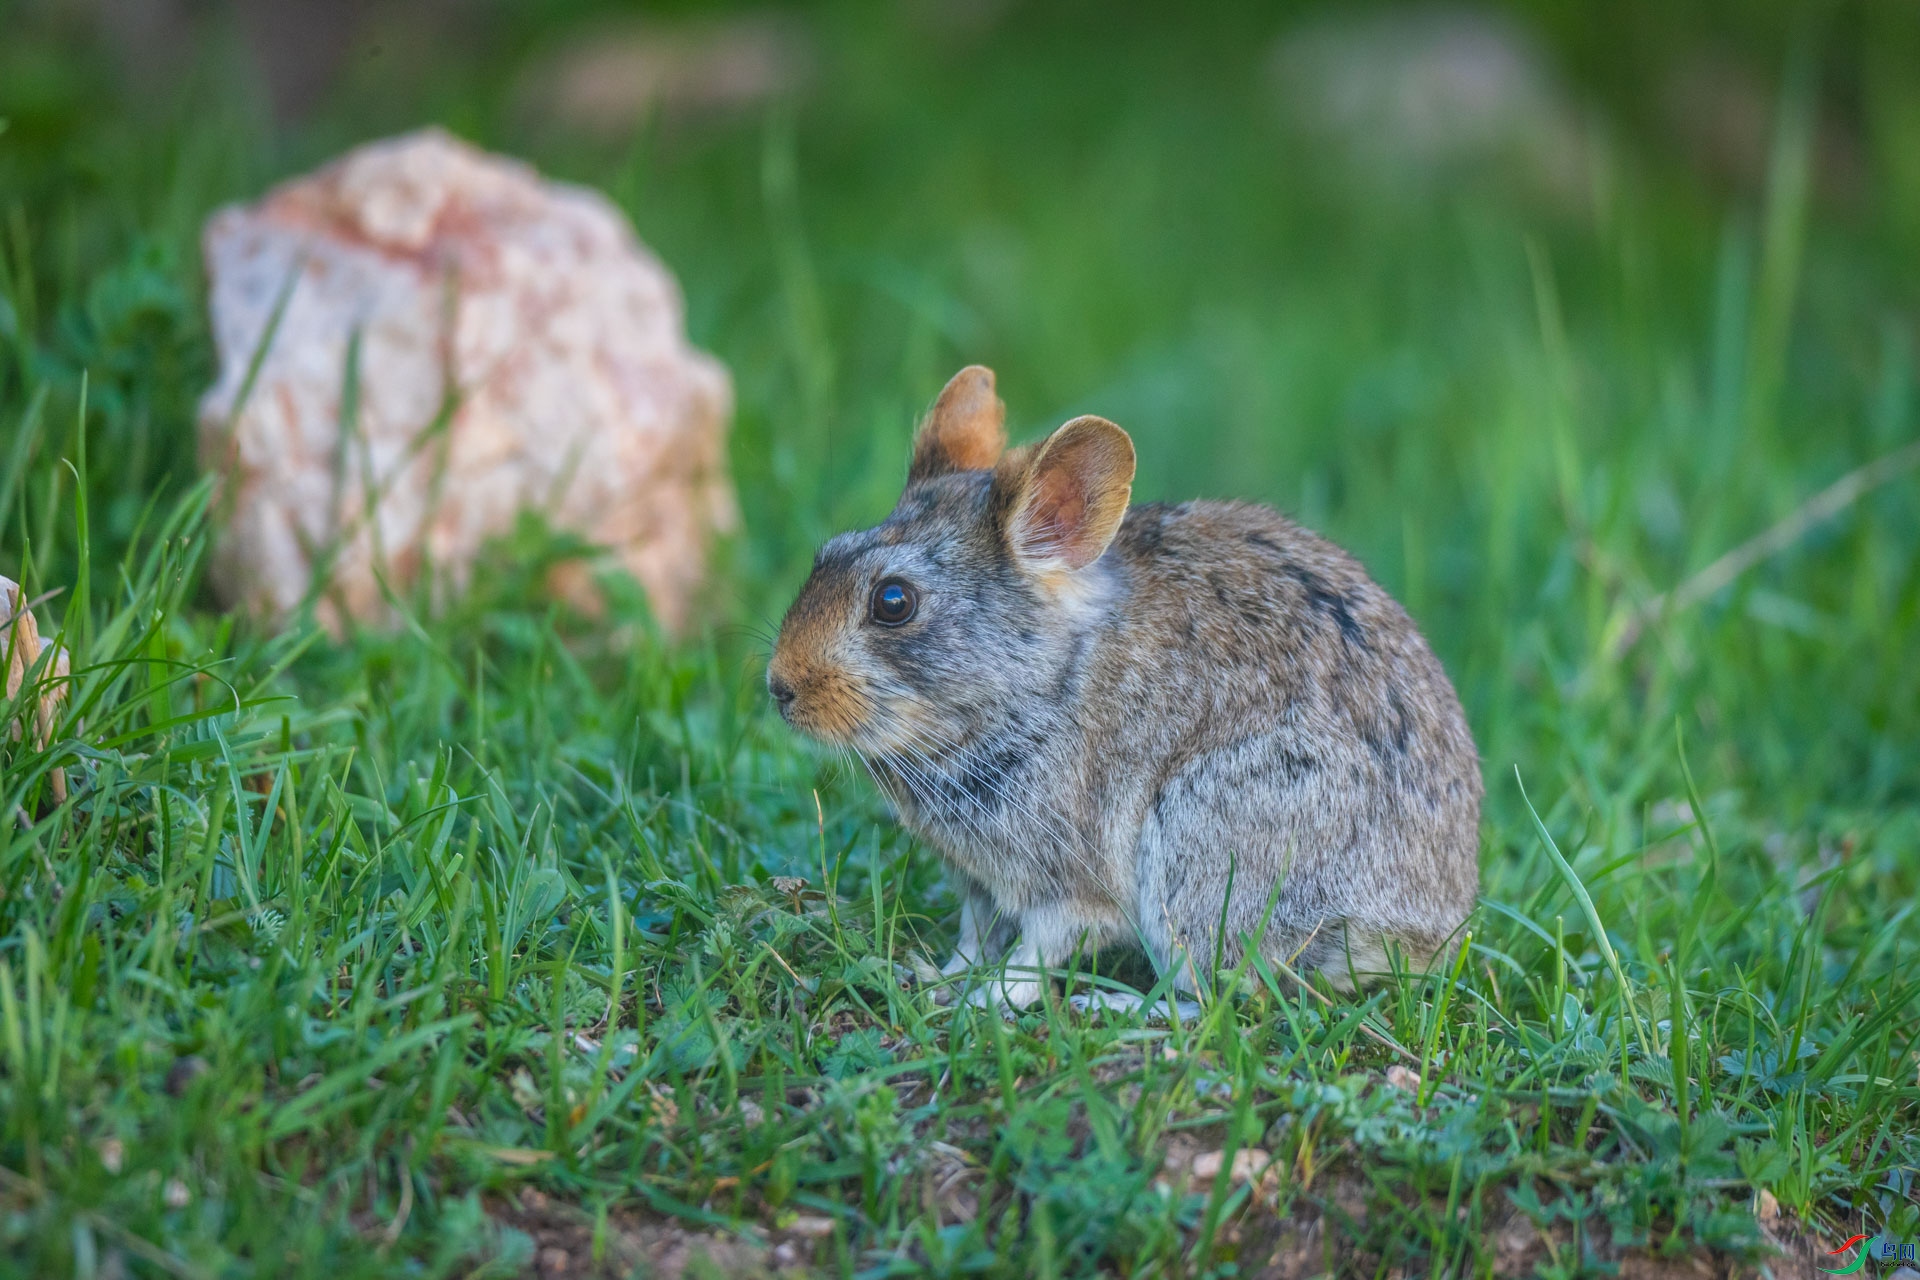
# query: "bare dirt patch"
[564,1244]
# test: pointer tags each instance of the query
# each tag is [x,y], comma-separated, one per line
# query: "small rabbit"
[1179,726]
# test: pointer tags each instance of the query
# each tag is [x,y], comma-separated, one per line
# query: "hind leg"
[1244,847]
[1347,956]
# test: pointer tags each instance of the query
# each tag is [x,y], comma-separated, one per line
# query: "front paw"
[1009,996]
[1124,1002]
[940,984]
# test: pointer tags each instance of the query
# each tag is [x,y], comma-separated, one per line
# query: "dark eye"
[894,602]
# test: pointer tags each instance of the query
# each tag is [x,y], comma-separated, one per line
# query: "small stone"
[1766,1207]
[554,1261]
[175,1194]
[811,1227]
[1403,1078]
[112,1153]
[1249,1164]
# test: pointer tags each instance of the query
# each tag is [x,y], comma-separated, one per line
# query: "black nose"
[782,691]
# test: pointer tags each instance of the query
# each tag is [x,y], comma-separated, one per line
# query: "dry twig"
[1826,504]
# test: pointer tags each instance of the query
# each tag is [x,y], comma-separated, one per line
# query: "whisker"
[953,784]
[1070,839]
[1000,819]
[1013,841]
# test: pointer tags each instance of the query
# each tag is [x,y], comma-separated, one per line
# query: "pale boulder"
[444,340]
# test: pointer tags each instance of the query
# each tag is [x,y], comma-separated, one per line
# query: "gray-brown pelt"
[1103,715]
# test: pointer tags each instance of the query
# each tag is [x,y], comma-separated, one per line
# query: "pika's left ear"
[964,431]
[1069,502]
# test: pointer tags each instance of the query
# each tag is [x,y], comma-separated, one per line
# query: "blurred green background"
[1541,309]
[1537,308]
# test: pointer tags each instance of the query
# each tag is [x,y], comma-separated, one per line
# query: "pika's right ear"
[966,429]
[1068,500]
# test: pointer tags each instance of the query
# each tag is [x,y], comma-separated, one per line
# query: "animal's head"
[965,607]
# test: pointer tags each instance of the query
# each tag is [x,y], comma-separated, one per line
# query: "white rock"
[512,347]
[1250,1164]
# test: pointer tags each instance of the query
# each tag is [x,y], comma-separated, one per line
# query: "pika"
[1184,727]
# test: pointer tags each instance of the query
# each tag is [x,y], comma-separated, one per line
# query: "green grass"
[335,948]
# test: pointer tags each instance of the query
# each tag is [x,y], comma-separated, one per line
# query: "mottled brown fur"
[1102,729]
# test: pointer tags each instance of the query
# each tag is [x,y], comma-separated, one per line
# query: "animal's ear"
[964,431]
[1069,502]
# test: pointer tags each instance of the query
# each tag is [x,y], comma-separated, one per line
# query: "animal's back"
[1281,707]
